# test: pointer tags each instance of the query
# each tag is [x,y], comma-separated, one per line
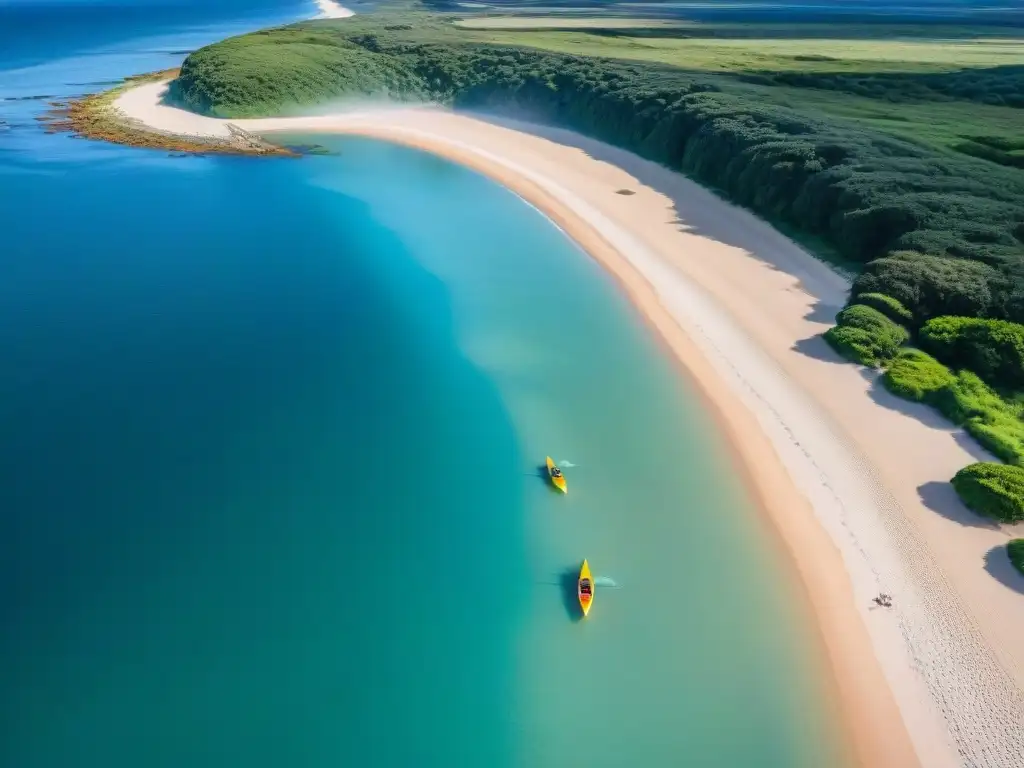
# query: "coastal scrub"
[267,73]
[916,375]
[993,349]
[865,335]
[961,397]
[931,285]
[1015,549]
[888,306]
[992,490]
[991,420]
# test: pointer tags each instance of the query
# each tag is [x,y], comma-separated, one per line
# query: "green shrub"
[993,349]
[917,376]
[992,490]
[967,397]
[870,319]
[1002,438]
[963,398]
[930,286]
[991,420]
[865,335]
[888,306]
[854,344]
[1015,549]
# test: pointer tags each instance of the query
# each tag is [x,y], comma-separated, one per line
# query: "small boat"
[557,478]
[585,588]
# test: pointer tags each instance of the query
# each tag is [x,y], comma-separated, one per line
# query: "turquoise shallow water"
[269,489]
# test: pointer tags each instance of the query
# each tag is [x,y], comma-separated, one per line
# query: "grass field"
[824,54]
[940,124]
[886,57]
[568,22]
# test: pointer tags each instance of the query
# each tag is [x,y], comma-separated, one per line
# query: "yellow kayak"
[557,478]
[585,588]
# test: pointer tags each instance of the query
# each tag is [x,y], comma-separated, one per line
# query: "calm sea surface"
[269,490]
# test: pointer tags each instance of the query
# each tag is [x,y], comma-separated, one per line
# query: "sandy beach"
[854,480]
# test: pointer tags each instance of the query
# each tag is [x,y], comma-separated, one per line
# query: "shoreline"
[804,431]
[93,117]
[90,116]
[865,710]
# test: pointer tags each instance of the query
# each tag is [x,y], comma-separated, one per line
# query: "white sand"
[854,480]
[332,10]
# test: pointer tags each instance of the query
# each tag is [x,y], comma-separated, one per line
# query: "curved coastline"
[93,117]
[846,534]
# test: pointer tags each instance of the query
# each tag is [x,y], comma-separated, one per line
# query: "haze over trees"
[952,225]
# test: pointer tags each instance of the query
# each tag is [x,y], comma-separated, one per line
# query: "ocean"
[270,486]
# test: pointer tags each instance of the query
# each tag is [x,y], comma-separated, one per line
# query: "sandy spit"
[854,480]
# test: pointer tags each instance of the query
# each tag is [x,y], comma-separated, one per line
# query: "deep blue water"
[33,31]
[268,483]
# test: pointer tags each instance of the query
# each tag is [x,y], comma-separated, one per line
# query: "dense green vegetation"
[1015,549]
[915,375]
[855,344]
[994,349]
[930,286]
[992,490]
[865,335]
[888,306]
[961,397]
[262,73]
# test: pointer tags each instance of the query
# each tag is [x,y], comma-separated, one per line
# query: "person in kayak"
[585,588]
[556,472]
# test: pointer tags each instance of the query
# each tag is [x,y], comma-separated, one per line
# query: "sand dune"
[853,479]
